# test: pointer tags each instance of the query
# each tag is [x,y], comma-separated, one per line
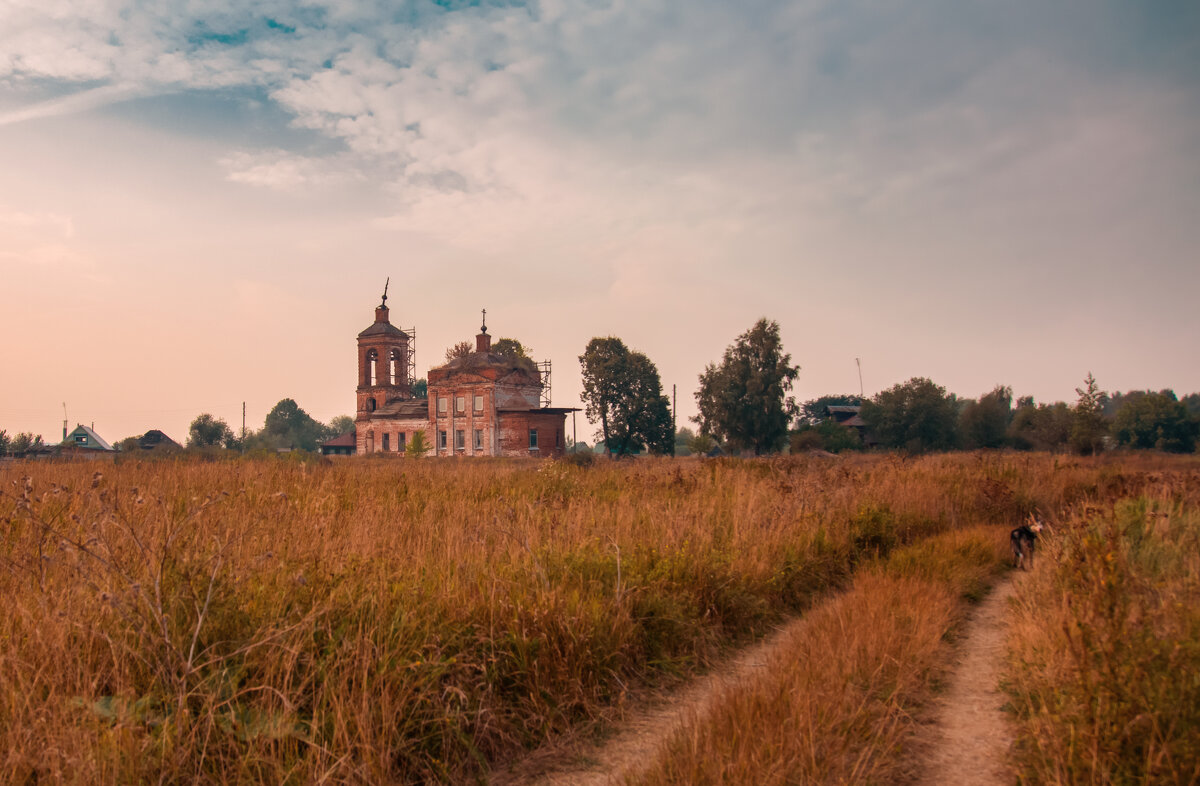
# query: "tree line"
[745,407]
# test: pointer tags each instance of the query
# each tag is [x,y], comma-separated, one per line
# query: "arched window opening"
[372,361]
[386,445]
[394,367]
[370,405]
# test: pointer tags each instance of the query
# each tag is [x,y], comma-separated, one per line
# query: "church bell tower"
[383,358]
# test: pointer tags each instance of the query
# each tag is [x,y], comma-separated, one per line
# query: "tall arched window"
[372,361]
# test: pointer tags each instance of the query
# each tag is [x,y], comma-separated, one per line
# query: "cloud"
[288,172]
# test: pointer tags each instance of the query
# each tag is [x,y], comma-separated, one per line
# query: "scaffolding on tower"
[411,355]
[544,369]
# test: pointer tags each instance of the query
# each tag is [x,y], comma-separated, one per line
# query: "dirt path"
[968,742]
[644,731]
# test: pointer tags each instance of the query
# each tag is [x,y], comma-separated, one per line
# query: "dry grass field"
[373,621]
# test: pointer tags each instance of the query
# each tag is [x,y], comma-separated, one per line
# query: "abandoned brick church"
[480,404]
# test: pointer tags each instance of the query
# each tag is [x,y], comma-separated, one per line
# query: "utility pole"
[858,363]
[674,404]
[243,443]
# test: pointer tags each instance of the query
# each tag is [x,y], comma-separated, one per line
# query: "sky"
[201,200]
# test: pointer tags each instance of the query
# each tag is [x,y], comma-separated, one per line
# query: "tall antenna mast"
[64,421]
[858,363]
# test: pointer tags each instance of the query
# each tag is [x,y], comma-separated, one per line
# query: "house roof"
[347,440]
[843,408]
[156,439]
[94,441]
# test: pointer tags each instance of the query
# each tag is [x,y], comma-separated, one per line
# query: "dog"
[1023,539]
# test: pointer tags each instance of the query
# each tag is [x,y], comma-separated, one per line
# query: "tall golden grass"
[405,621]
[1104,668]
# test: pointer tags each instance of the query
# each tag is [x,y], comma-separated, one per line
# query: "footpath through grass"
[396,621]
[838,700]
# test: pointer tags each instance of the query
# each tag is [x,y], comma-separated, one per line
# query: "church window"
[386,445]
[442,405]
[479,439]
[460,404]
[533,439]
[479,403]
[460,439]
[442,440]
[401,441]
[370,405]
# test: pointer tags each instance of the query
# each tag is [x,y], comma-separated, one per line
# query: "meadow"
[373,621]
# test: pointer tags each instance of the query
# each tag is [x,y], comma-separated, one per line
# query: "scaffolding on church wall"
[411,358]
[544,369]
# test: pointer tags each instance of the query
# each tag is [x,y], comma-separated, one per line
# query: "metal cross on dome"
[484,328]
[385,288]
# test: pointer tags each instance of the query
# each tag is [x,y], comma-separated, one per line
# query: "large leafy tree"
[207,431]
[1155,421]
[287,425]
[622,391]
[1040,426]
[3,442]
[341,424]
[744,400]
[917,416]
[1089,426]
[984,423]
[512,348]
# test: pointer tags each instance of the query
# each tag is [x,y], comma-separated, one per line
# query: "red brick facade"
[481,404]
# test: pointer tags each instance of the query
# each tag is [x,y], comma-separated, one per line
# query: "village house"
[480,404]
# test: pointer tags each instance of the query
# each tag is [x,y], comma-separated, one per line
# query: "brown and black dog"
[1023,539]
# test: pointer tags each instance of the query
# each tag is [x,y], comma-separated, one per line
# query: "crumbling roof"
[479,360]
[409,408]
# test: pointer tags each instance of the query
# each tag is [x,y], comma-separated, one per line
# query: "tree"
[459,350]
[1192,403]
[814,411]
[207,431]
[984,423]
[622,390]
[1041,426]
[128,445]
[24,442]
[511,348]
[420,389]
[1088,426]
[287,425]
[417,446]
[683,438]
[744,401]
[916,416]
[4,440]
[341,424]
[1155,421]
[701,444]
